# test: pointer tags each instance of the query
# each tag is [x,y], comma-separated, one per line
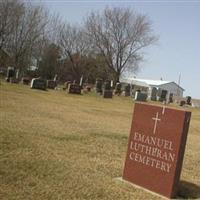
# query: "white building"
[144,85]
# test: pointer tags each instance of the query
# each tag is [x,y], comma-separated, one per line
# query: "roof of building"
[147,82]
[135,82]
[153,82]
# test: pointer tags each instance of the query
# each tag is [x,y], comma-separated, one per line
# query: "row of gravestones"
[156,95]
[71,87]
[160,95]
[42,84]
[39,83]
[101,88]
[36,83]
[106,89]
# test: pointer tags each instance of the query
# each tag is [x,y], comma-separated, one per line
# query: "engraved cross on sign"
[156,121]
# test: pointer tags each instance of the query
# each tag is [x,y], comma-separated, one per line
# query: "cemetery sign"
[156,148]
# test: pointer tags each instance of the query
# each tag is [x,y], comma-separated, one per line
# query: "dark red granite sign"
[156,148]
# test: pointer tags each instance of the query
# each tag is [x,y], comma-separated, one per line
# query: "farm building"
[155,89]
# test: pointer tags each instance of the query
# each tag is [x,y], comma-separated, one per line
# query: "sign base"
[120,179]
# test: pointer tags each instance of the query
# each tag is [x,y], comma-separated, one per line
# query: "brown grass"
[59,146]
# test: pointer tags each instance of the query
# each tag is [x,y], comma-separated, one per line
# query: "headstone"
[127,90]
[99,86]
[170,98]
[154,94]
[88,88]
[74,88]
[55,78]
[107,92]
[25,80]
[118,88]
[182,103]
[140,96]
[111,84]
[10,74]
[17,74]
[107,85]
[162,94]
[156,148]
[66,84]
[188,100]
[81,81]
[51,84]
[38,83]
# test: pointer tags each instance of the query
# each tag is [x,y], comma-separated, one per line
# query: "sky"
[177,23]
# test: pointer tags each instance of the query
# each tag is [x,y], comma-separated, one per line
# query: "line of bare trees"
[108,43]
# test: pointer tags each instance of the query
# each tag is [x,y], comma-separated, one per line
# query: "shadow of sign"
[188,190]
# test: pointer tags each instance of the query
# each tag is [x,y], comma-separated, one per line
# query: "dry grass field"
[58,146]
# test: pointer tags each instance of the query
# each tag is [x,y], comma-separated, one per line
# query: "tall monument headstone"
[154,94]
[10,74]
[99,86]
[107,92]
[127,90]
[156,148]
[118,88]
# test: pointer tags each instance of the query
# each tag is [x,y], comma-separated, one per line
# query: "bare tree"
[120,35]
[4,22]
[53,28]
[74,47]
[7,9]
[27,29]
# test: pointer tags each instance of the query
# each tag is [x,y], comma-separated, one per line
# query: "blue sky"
[176,22]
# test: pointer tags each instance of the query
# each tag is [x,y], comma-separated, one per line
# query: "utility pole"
[178,86]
